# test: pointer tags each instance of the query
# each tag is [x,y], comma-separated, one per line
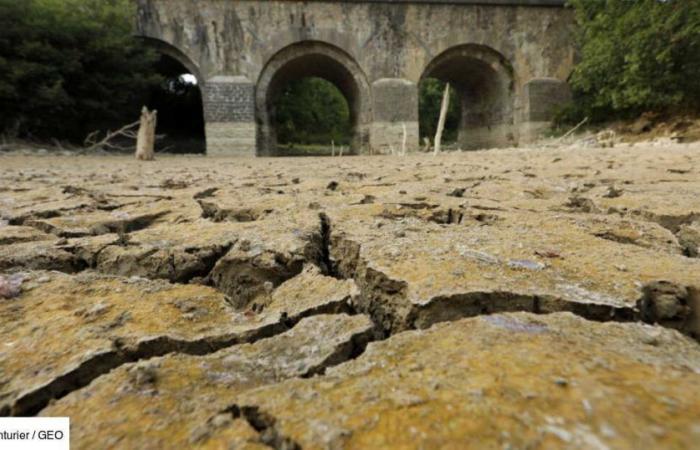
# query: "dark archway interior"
[483,94]
[306,71]
[178,100]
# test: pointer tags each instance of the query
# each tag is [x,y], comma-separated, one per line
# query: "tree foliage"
[312,111]
[635,56]
[68,67]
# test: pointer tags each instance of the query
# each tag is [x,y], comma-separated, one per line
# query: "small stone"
[652,338]
[368,199]
[143,375]
[459,193]
[561,382]
[613,192]
[525,264]
[479,256]
[11,285]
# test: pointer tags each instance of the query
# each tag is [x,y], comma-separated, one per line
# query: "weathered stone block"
[229,112]
[230,138]
[543,97]
[395,102]
[387,135]
[229,99]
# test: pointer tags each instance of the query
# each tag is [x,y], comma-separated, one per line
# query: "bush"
[68,67]
[635,56]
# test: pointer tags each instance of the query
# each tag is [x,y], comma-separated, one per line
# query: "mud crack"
[122,353]
[387,302]
[265,425]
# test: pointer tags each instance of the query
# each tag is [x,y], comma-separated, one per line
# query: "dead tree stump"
[145,142]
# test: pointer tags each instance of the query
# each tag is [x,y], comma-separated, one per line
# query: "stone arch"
[181,117]
[318,59]
[485,81]
[175,53]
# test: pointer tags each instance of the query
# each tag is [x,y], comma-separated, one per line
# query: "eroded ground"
[502,299]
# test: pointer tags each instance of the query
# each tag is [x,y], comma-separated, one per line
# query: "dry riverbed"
[542,298]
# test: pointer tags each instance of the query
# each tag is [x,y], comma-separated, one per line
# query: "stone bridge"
[507,59]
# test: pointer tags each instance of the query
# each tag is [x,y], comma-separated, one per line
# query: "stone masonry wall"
[385,39]
[229,114]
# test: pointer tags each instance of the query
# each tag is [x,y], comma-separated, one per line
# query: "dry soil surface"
[511,299]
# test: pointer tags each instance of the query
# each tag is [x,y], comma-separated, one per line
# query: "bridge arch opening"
[178,99]
[310,62]
[311,118]
[482,80]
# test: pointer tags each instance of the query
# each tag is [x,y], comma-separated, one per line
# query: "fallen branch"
[124,131]
[573,130]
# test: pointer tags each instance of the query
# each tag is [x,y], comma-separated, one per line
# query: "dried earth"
[522,298]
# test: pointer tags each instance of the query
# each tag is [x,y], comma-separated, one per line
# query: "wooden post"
[443,116]
[426,144]
[403,142]
[145,142]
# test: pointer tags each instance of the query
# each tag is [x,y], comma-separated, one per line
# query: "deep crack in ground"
[412,250]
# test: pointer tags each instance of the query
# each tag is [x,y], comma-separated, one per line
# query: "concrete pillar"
[229,116]
[395,104]
[543,97]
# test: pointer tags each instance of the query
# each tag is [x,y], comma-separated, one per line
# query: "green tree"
[312,111]
[635,56]
[68,67]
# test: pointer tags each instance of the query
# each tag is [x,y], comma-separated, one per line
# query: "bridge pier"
[395,106]
[542,99]
[229,116]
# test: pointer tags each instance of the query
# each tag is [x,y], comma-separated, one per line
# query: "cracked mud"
[510,298]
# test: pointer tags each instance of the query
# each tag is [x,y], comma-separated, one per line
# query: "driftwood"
[91,142]
[146,139]
[443,116]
